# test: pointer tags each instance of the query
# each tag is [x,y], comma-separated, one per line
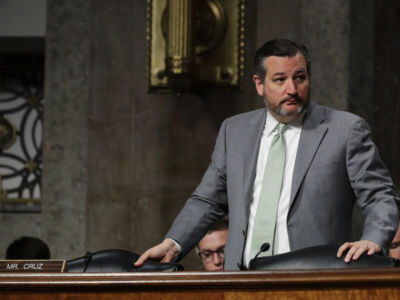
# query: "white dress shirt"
[292,137]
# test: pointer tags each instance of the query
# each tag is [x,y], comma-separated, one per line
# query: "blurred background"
[91,160]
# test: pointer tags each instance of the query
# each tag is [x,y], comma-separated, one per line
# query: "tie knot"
[281,128]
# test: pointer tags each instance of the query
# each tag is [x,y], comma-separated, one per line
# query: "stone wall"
[119,162]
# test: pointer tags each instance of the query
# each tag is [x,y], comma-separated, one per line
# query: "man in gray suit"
[330,163]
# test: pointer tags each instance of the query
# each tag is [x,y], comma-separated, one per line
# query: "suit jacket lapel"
[312,133]
[251,146]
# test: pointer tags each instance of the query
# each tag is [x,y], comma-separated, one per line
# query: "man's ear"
[259,84]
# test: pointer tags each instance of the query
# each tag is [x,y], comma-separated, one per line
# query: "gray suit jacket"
[336,164]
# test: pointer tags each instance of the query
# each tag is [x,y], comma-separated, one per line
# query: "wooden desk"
[321,284]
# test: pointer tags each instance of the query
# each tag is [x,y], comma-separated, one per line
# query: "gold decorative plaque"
[195,45]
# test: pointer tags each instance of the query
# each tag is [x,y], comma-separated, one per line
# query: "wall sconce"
[195,45]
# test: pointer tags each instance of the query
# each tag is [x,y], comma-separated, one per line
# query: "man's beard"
[280,111]
[303,104]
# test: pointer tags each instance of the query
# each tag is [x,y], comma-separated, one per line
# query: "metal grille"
[21,118]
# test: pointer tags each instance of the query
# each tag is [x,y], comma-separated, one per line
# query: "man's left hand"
[356,249]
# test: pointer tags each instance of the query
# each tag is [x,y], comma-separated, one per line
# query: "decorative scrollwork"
[21,116]
[7,133]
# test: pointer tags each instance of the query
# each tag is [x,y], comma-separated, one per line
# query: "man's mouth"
[291,101]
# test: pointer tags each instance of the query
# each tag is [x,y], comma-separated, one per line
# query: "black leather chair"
[117,261]
[319,257]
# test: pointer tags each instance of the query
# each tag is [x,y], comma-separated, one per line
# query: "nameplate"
[32,266]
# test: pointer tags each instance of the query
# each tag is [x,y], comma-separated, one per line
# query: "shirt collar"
[271,124]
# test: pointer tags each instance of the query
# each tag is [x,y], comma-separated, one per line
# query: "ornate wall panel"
[21,116]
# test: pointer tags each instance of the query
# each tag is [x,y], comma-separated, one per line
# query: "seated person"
[28,248]
[211,247]
[394,250]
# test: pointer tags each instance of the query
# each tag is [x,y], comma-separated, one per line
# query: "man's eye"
[279,79]
[300,78]
[395,245]
[206,254]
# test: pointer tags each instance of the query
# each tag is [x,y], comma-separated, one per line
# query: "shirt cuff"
[177,245]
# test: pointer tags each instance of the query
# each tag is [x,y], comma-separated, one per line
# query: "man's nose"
[217,259]
[291,88]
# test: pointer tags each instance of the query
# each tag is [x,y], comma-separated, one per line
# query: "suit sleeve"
[207,204]
[372,186]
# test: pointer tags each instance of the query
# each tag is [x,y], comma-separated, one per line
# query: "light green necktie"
[265,220]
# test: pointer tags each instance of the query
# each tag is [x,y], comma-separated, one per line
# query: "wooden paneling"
[386,126]
[323,284]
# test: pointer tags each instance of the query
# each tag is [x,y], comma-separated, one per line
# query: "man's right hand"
[164,252]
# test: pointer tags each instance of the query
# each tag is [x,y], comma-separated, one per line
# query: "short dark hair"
[28,248]
[219,225]
[278,47]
